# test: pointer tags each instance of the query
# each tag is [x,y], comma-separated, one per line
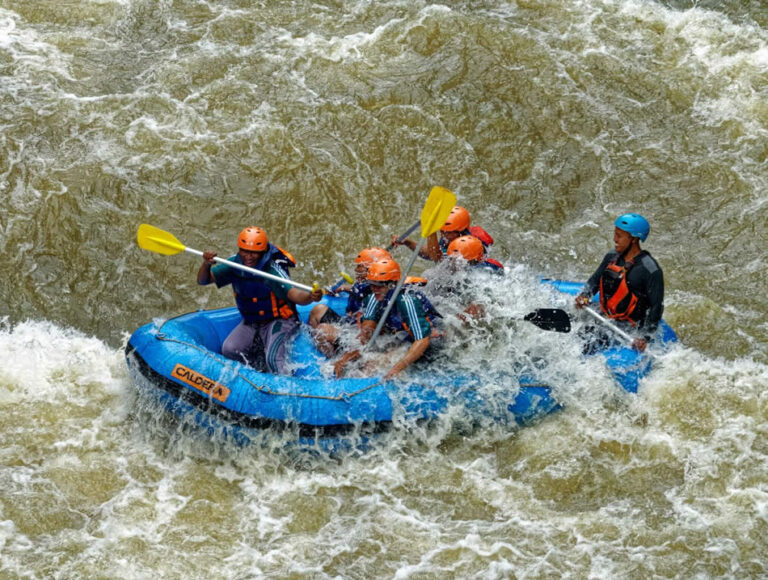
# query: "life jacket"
[616,299]
[395,321]
[490,264]
[415,281]
[481,235]
[357,295]
[476,231]
[254,298]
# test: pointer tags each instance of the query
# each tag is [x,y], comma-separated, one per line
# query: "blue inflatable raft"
[178,363]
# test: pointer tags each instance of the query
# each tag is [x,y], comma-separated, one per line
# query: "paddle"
[609,324]
[344,278]
[402,238]
[550,319]
[557,320]
[162,242]
[347,278]
[436,210]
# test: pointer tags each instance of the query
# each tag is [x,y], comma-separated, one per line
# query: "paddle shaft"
[608,323]
[286,281]
[402,238]
[336,286]
[399,286]
[614,328]
[410,230]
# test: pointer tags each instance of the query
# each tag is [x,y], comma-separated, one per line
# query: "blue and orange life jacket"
[254,297]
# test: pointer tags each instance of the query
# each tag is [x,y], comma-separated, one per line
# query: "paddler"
[631,285]
[472,250]
[327,322]
[268,308]
[457,225]
[408,319]
[469,252]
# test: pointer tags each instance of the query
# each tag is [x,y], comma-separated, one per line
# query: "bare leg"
[316,315]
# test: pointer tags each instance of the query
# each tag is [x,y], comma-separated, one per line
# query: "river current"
[327,123]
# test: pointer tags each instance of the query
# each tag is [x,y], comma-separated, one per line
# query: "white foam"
[39,360]
[30,53]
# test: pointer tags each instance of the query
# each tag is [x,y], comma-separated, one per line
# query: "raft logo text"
[200,382]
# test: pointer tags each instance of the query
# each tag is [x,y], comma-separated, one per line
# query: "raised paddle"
[436,210]
[162,242]
[408,232]
[347,278]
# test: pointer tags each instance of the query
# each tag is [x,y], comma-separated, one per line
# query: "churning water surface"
[327,124]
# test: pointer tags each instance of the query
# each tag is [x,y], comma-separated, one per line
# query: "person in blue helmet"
[631,285]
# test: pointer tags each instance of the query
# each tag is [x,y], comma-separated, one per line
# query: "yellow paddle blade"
[437,209]
[158,241]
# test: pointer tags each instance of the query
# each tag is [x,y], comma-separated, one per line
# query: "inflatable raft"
[178,363]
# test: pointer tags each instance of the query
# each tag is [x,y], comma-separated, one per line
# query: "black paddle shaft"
[412,229]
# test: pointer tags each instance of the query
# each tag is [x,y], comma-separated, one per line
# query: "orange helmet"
[457,221]
[369,255]
[384,271]
[468,247]
[252,239]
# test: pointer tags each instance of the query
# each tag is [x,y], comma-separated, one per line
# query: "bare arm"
[302,297]
[430,251]
[414,353]
[473,311]
[204,274]
[366,331]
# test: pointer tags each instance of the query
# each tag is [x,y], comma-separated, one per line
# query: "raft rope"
[262,389]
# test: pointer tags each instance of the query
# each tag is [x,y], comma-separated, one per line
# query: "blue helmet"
[634,224]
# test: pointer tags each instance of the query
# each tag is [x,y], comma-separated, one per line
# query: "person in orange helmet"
[456,225]
[268,308]
[470,250]
[408,314]
[326,321]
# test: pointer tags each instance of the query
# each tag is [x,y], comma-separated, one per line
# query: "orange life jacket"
[616,299]
[415,280]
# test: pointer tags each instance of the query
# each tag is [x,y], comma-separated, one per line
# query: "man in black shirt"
[630,282]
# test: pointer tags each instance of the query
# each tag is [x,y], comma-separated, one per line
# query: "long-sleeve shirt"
[645,280]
